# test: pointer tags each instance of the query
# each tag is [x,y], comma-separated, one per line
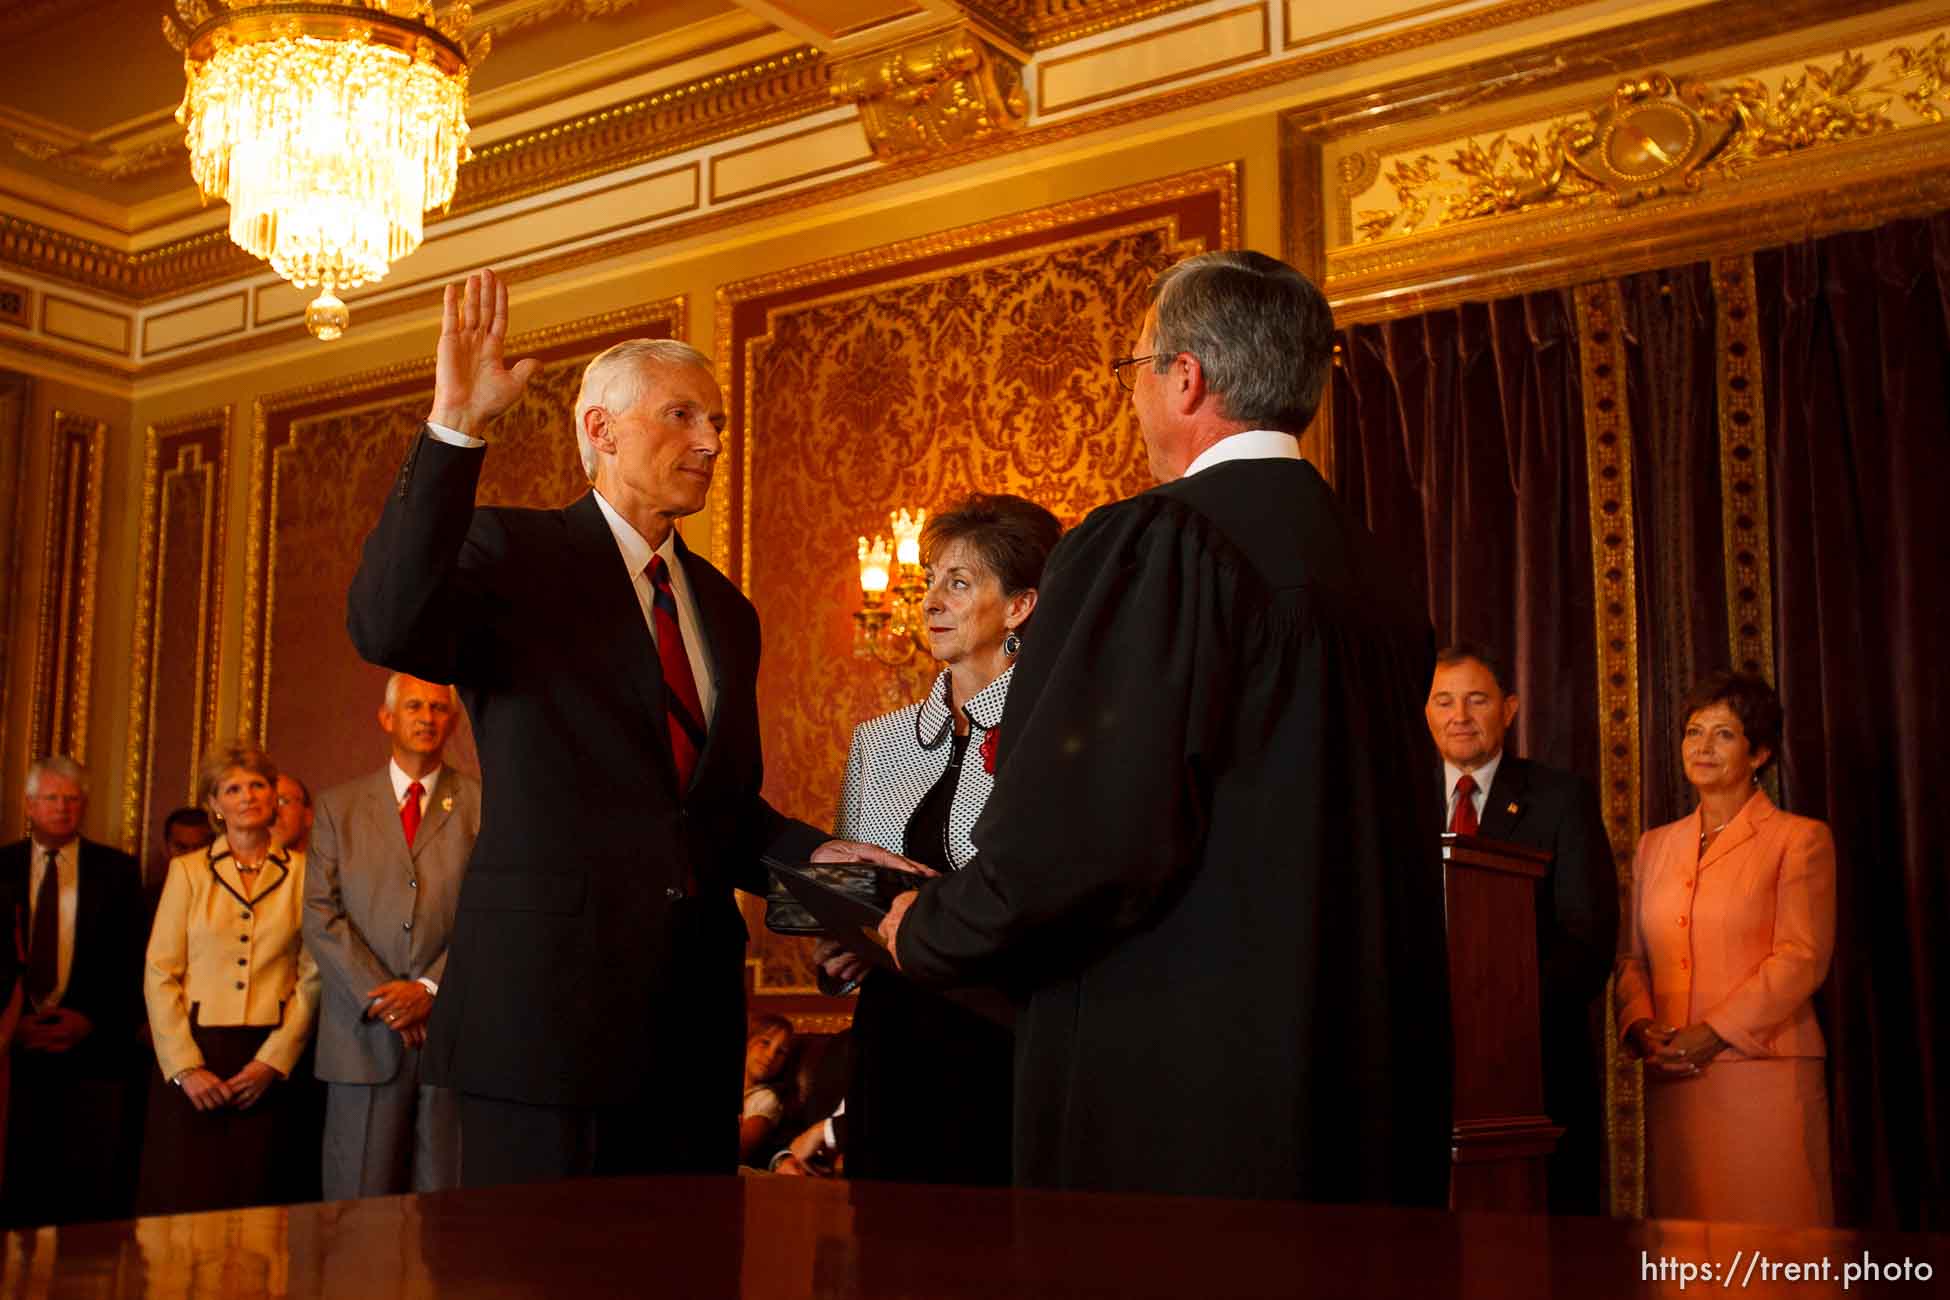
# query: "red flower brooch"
[988,750]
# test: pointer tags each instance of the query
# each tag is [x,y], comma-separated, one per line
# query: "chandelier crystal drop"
[330,127]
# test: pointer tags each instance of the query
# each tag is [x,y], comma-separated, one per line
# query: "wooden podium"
[1501,1136]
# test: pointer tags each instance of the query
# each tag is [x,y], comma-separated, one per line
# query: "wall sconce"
[889,625]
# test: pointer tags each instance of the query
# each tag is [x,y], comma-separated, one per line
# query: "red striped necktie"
[686,710]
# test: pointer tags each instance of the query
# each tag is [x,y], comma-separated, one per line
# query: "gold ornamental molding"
[1039,24]
[1614,580]
[199,262]
[511,16]
[1657,134]
[1743,469]
[714,108]
[70,549]
[1614,589]
[933,94]
[183,464]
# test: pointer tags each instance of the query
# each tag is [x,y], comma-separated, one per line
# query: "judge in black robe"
[1206,863]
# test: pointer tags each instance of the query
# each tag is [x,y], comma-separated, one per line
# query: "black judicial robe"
[1206,863]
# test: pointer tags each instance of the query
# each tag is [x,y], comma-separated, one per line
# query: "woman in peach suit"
[1733,924]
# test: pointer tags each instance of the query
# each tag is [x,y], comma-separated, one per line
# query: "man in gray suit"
[387,855]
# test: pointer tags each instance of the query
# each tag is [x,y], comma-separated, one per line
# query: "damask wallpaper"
[976,360]
[324,461]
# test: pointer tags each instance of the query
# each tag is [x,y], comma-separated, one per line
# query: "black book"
[849,899]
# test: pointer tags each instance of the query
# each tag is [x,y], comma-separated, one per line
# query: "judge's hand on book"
[854,851]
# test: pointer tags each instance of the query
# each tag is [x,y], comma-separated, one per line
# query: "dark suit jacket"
[1197,864]
[105,973]
[1547,808]
[559,969]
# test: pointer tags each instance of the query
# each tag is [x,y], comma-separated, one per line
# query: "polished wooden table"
[787,1237]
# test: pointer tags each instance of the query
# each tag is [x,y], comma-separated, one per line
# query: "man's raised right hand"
[472,385]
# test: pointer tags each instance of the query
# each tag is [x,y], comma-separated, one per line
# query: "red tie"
[409,812]
[680,687]
[1464,820]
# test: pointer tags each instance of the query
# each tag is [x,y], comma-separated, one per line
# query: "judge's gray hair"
[1261,331]
[614,381]
[59,765]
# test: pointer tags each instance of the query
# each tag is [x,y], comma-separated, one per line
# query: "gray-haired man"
[388,852]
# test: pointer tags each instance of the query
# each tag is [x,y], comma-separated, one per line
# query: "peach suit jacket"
[1740,938]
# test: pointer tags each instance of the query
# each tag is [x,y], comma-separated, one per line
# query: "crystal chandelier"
[329,126]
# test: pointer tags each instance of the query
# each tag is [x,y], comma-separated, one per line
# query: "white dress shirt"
[401,782]
[1252,444]
[67,867]
[636,557]
[1484,776]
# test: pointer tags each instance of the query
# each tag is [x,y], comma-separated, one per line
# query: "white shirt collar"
[66,855]
[1485,777]
[1252,444]
[401,780]
[636,550]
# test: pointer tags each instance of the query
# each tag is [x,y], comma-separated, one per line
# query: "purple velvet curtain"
[1672,393]
[1856,333]
[1460,435]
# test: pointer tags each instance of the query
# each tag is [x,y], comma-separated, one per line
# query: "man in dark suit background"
[79,912]
[1204,861]
[1500,796]
[591,1017]
[388,854]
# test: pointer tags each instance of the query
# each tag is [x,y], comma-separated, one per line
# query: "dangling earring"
[1012,645]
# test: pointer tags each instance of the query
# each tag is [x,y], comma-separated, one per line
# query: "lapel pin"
[1511,809]
[447,804]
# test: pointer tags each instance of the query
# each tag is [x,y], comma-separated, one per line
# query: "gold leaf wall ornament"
[933,94]
[1645,142]
[1510,175]
[1929,67]
[1479,180]
[1411,177]
[1821,106]
[1656,135]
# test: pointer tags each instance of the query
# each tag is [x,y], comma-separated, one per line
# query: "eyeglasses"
[1122,369]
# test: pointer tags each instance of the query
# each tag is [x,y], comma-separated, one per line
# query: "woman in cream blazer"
[232,996]
[1733,925]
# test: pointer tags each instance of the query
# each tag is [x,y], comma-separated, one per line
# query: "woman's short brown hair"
[1012,535]
[237,753]
[1749,698]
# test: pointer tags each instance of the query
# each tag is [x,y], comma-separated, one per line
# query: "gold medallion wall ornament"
[934,94]
[1646,142]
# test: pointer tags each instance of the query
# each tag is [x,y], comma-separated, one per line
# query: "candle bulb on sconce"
[889,625]
[907,537]
[873,568]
